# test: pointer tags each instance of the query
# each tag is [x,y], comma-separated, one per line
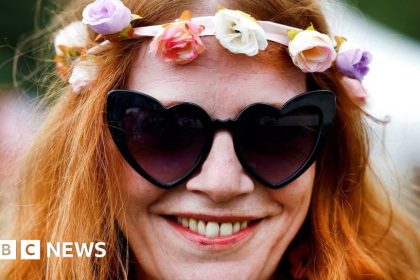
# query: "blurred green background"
[17,19]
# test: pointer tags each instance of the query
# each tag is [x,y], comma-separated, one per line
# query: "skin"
[223,84]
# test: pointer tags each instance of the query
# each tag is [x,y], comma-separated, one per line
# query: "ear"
[355,89]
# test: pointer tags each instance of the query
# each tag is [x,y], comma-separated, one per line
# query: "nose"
[221,177]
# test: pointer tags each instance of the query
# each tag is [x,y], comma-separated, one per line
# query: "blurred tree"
[19,19]
[402,15]
[16,19]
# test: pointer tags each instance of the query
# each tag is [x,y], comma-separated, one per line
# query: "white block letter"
[7,249]
[30,250]
[101,250]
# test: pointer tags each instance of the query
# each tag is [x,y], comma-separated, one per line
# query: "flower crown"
[180,41]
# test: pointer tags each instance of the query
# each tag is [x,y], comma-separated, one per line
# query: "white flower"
[74,35]
[239,32]
[312,51]
[83,73]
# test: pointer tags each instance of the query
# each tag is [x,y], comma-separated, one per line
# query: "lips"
[213,228]
[213,231]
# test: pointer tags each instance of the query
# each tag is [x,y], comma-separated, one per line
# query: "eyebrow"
[277,103]
[169,103]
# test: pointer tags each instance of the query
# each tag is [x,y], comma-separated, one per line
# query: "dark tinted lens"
[276,146]
[166,144]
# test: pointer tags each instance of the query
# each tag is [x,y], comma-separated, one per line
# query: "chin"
[168,249]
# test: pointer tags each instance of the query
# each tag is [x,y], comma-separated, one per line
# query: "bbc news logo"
[31,249]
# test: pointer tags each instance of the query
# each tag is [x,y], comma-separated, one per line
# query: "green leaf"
[135,17]
[311,27]
[292,34]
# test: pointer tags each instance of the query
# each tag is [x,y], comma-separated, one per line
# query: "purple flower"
[107,16]
[352,61]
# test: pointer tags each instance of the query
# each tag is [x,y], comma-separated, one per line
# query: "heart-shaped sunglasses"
[166,145]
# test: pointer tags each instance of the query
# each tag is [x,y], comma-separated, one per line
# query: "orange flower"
[179,42]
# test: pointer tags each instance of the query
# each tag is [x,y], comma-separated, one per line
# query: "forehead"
[220,82]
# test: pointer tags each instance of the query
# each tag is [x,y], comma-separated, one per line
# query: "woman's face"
[220,198]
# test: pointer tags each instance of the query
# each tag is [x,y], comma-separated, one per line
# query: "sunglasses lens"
[276,146]
[166,144]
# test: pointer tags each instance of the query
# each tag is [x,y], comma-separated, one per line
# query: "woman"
[229,187]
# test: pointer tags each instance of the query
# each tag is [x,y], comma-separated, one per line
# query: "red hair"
[70,181]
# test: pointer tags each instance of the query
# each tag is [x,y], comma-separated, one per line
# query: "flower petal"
[179,42]
[312,51]
[239,32]
[107,16]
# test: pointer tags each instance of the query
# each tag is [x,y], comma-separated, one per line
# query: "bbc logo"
[29,249]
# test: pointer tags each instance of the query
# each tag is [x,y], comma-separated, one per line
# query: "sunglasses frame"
[119,100]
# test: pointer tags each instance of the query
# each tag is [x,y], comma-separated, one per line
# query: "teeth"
[236,227]
[226,229]
[201,226]
[185,222]
[244,224]
[192,225]
[212,229]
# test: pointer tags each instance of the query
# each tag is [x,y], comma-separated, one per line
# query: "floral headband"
[180,41]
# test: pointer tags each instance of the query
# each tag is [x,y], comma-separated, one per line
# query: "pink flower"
[312,51]
[179,42]
[107,16]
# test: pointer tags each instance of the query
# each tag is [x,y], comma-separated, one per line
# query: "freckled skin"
[223,84]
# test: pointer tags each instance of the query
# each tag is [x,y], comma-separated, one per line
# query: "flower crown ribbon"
[180,41]
[273,31]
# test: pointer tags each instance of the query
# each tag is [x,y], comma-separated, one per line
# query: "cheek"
[138,194]
[296,196]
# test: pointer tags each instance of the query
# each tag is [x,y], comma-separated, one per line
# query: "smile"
[212,231]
